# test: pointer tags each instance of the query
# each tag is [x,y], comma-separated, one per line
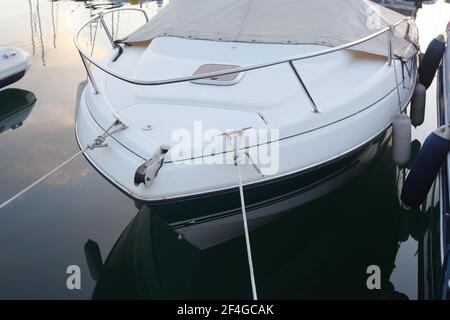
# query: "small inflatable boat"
[14,63]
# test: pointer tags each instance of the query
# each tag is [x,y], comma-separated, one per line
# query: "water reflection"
[36,29]
[16,106]
[54,10]
[320,250]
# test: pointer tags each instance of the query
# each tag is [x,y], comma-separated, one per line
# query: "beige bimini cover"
[325,22]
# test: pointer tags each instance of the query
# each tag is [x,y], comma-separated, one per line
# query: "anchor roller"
[147,172]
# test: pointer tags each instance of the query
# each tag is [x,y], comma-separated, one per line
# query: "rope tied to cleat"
[99,142]
[238,156]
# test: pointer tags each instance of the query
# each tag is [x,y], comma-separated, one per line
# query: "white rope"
[98,142]
[396,86]
[17,195]
[237,153]
[247,237]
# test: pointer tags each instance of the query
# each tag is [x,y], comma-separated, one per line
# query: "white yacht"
[312,84]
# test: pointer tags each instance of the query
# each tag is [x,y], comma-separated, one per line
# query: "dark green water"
[320,250]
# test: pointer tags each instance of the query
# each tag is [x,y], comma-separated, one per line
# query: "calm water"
[320,250]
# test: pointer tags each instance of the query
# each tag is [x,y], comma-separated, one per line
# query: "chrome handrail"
[290,60]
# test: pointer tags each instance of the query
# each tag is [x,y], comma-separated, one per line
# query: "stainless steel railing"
[87,59]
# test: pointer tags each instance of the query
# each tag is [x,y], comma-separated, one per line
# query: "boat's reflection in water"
[15,106]
[319,250]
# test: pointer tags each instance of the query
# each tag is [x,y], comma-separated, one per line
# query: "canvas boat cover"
[324,22]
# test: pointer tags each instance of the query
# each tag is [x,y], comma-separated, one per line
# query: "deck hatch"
[225,80]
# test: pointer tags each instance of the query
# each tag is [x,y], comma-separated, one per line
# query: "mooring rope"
[247,237]
[17,195]
[98,143]
[236,144]
[396,86]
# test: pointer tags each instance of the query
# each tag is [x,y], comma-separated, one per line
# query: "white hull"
[356,93]
[14,63]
